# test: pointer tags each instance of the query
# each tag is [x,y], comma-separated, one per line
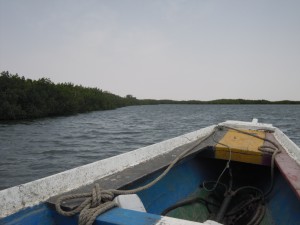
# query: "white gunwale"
[29,194]
[26,195]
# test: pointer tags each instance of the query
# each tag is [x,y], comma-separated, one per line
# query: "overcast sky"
[182,50]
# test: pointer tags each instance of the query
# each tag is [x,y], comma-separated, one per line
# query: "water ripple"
[37,148]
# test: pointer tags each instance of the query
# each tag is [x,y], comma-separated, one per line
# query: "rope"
[227,166]
[258,216]
[99,201]
[95,203]
[260,210]
[268,149]
[187,202]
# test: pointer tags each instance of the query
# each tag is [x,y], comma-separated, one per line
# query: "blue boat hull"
[181,181]
[235,163]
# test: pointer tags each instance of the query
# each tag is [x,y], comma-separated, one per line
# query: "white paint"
[291,148]
[173,221]
[254,125]
[211,222]
[132,202]
[30,194]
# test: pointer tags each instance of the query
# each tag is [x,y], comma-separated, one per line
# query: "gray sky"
[182,50]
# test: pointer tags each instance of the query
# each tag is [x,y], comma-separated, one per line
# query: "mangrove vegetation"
[25,98]
[22,98]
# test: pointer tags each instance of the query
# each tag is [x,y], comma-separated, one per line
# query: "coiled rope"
[274,150]
[260,207]
[99,201]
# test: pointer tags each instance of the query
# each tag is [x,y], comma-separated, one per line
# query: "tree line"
[22,98]
[25,98]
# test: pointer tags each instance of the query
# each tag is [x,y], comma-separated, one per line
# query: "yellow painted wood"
[244,148]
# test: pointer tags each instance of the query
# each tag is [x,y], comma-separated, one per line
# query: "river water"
[34,149]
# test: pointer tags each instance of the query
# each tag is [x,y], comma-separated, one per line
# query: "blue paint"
[43,215]
[63,220]
[37,215]
[284,205]
[119,216]
[116,216]
[181,181]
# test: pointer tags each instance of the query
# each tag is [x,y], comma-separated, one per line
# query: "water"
[35,149]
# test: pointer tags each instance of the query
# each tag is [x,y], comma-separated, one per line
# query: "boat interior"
[198,188]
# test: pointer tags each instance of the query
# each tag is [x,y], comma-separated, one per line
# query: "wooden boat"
[231,173]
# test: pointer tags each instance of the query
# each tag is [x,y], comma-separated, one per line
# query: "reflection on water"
[35,149]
